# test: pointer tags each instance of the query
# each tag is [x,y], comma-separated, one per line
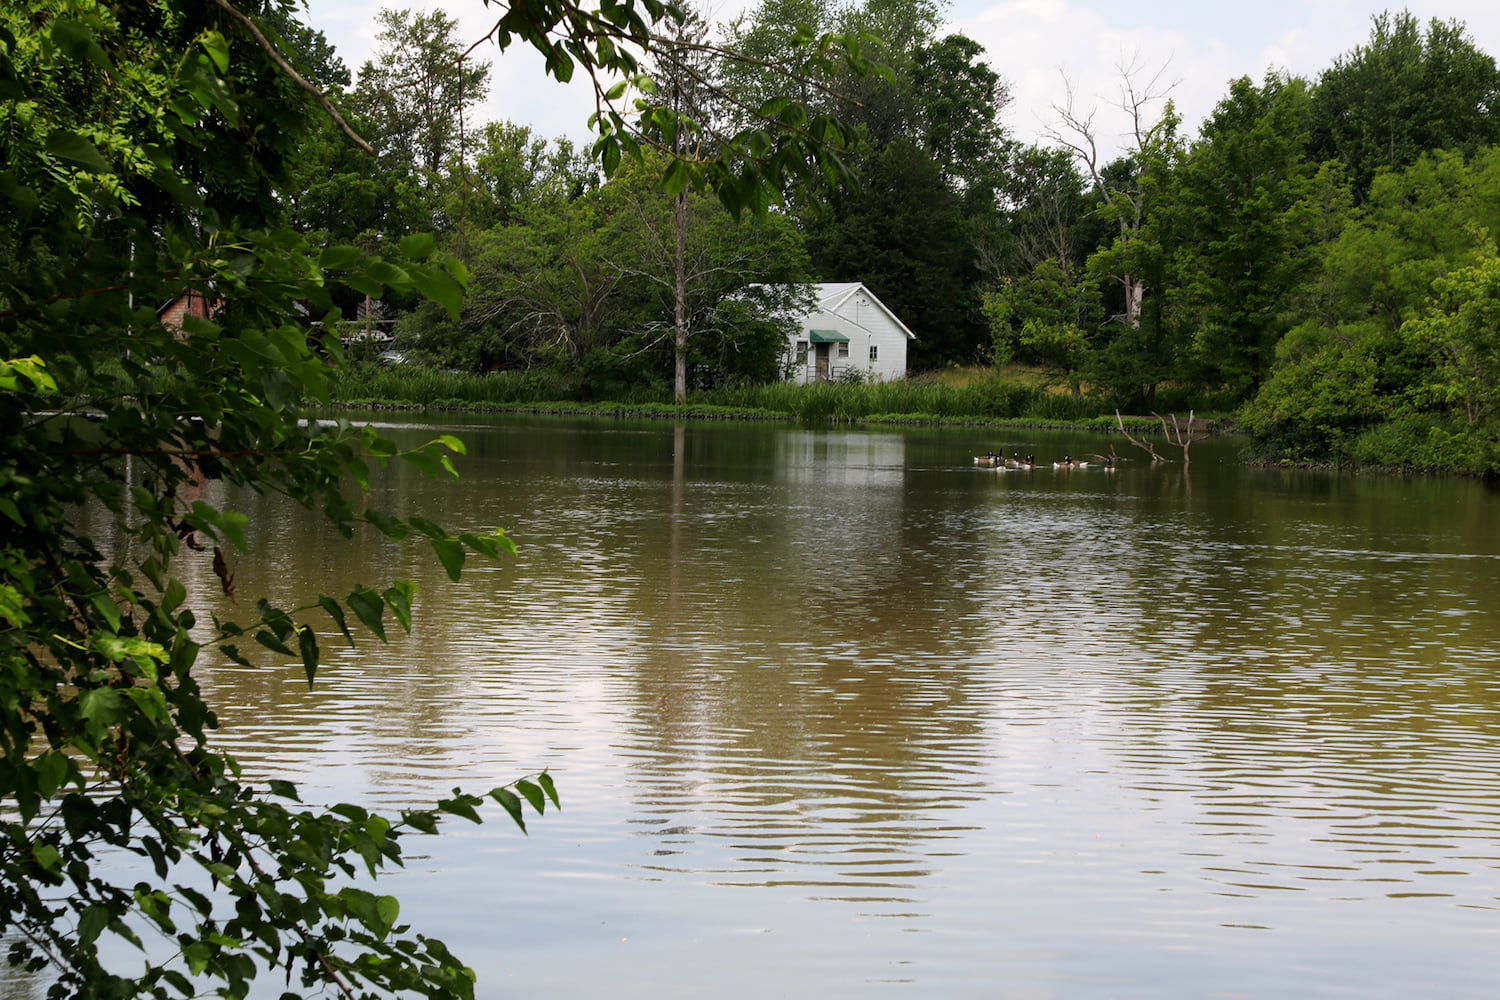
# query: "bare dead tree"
[1140,443]
[1179,435]
[1124,198]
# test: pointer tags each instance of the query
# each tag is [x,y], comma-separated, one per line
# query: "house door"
[822,361]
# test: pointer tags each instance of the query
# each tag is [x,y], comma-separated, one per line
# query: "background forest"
[1319,260]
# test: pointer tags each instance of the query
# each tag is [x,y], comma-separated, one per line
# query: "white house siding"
[848,309]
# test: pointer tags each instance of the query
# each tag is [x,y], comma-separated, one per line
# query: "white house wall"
[866,324]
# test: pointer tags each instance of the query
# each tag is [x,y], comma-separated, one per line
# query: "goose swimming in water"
[988,461]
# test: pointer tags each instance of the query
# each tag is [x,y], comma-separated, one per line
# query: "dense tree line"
[1258,267]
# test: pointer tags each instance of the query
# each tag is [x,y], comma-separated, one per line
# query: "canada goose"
[988,461]
[1069,462]
[1029,462]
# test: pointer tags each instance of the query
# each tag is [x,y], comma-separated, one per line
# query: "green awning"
[826,337]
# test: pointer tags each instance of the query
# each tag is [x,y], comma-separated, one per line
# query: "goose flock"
[994,460]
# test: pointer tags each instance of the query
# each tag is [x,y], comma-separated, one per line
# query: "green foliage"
[1402,295]
[895,236]
[112,416]
[1041,318]
[1237,267]
[1405,93]
[1323,391]
[1460,332]
[416,89]
[1424,443]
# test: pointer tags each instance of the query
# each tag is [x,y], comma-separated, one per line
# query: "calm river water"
[836,713]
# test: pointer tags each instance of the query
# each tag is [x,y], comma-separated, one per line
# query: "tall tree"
[1365,356]
[930,167]
[1460,332]
[515,172]
[1237,264]
[722,288]
[1404,93]
[419,88]
[1124,185]
[901,236]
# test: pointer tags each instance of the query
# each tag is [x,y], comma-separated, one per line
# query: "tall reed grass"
[913,401]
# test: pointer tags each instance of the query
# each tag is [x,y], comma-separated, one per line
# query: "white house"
[847,329]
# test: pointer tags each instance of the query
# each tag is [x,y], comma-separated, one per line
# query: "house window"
[801,352]
[874,352]
[844,349]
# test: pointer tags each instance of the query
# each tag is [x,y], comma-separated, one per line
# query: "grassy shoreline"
[927,402]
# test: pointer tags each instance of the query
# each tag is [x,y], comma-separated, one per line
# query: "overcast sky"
[1197,46]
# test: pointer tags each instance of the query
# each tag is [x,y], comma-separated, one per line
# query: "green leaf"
[339,258]
[175,594]
[388,274]
[271,642]
[10,606]
[52,770]
[533,794]
[423,822]
[119,648]
[307,645]
[389,910]
[545,780]
[369,609]
[385,524]
[233,652]
[512,805]
[101,707]
[451,553]
[418,246]
[217,47]
[78,151]
[33,369]
[285,789]
[399,596]
[106,606]
[78,41]
[462,805]
[92,923]
[46,856]
[675,179]
[490,545]
[608,148]
[438,286]
[336,612]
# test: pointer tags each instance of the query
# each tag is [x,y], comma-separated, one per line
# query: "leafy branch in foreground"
[140,159]
[143,149]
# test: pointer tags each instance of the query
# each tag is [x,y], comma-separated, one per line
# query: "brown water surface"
[835,713]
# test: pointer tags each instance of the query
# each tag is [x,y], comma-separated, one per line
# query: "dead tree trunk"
[1143,445]
[1179,436]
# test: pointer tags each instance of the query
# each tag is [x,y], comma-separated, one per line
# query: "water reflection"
[836,712]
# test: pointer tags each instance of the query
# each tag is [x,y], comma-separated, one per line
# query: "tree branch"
[297,78]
